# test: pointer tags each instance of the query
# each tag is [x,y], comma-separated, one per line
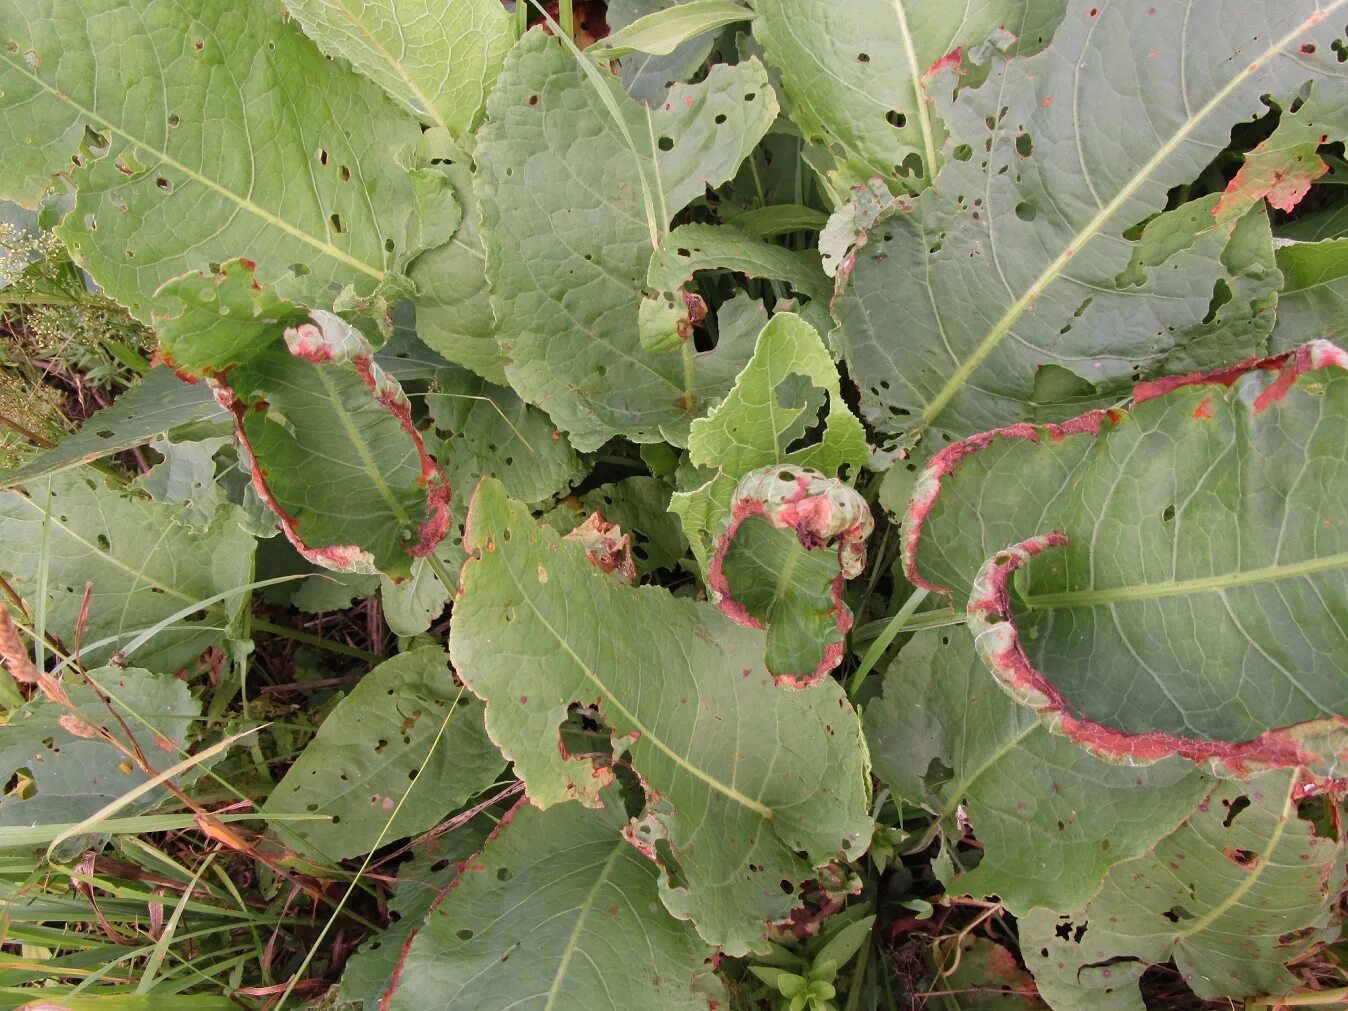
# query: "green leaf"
[774,569]
[186,475]
[1051,819]
[665,315]
[774,403]
[144,566]
[453,310]
[432,868]
[1195,549]
[559,910]
[329,440]
[857,75]
[660,32]
[751,787]
[157,404]
[400,722]
[963,293]
[640,505]
[74,775]
[439,60]
[645,77]
[570,234]
[228,106]
[1314,300]
[1243,887]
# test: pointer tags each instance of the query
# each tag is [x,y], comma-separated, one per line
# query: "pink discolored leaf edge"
[1318,746]
[997,639]
[809,511]
[1289,366]
[309,342]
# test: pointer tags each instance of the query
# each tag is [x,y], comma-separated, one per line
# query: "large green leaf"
[558,911]
[1025,256]
[439,59]
[204,132]
[646,76]
[75,774]
[774,404]
[399,723]
[1243,887]
[577,184]
[1193,590]
[750,787]
[857,75]
[144,566]
[1050,818]
[157,404]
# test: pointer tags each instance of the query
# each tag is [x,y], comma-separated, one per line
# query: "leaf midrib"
[1185,587]
[573,942]
[1018,308]
[242,202]
[919,98]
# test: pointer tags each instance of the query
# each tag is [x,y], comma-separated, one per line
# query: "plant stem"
[309,639]
[566,16]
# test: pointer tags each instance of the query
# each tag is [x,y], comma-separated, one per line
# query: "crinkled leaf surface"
[1051,819]
[1201,594]
[145,565]
[157,404]
[226,105]
[748,785]
[1022,255]
[1314,300]
[74,776]
[432,867]
[453,309]
[559,910]
[361,762]
[438,59]
[640,505]
[857,75]
[774,403]
[574,200]
[1243,887]
[351,484]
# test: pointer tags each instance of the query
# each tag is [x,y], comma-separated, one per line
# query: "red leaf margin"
[306,341]
[807,511]
[1320,747]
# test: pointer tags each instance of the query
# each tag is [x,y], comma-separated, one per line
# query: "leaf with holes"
[66,773]
[762,423]
[749,787]
[399,753]
[1243,887]
[143,566]
[858,76]
[157,404]
[570,232]
[1051,820]
[439,60]
[1026,255]
[212,134]
[1186,565]
[559,910]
